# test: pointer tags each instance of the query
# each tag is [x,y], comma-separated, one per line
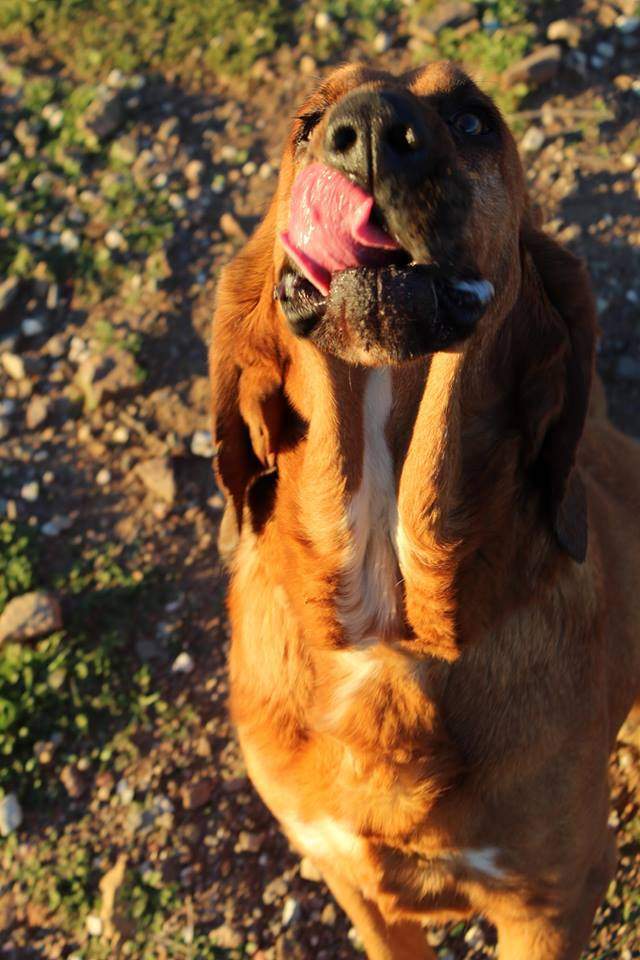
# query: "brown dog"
[430,657]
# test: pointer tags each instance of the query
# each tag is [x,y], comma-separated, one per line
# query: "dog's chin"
[385,315]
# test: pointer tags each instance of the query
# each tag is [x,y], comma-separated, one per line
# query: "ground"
[139,143]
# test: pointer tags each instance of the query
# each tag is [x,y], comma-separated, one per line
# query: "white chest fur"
[368,601]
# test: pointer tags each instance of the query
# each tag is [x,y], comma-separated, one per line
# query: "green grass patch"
[77,689]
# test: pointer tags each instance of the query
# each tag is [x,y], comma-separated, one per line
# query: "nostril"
[402,138]
[343,138]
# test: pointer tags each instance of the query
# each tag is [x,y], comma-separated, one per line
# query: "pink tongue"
[329,228]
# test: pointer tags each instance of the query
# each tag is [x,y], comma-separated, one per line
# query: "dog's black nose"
[377,135]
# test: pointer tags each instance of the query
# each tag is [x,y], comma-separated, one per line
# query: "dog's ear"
[246,366]
[558,310]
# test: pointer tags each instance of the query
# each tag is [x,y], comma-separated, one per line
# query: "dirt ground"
[207,872]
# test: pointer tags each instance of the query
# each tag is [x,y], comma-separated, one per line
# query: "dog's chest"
[368,600]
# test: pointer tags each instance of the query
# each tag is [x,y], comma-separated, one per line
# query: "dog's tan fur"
[450,757]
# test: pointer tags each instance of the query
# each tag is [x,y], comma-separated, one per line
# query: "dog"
[432,528]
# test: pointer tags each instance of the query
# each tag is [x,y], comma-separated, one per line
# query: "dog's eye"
[307,123]
[469,123]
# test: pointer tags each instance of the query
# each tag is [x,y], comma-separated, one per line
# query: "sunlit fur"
[426,680]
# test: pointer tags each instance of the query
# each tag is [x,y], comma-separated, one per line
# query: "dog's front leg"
[564,935]
[382,941]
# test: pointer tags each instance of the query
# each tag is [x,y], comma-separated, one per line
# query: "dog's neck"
[405,494]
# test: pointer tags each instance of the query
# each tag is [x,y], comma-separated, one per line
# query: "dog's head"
[401,227]
[398,213]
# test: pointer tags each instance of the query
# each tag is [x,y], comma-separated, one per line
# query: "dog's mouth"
[355,290]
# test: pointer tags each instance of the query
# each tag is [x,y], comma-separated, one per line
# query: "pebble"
[14,366]
[474,937]
[114,240]
[94,925]
[290,911]
[34,614]
[103,477]
[197,793]
[194,171]
[567,29]
[322,20]
[308,65]
[265,171]
[436,936]
[37,411]
[309,871]
[69,240]
[158,477]
[57,525]
[73,781]
[125,792]
[10,814]
[628,368]
[32,326]
[202,445]
[183,663]
[8,291]
[5,428]
[30,491]
[533,139]
[627,24]
[329,915]
[231,228]
[382,42]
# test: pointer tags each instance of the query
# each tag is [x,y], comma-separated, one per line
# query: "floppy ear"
[246,363]
[556,380]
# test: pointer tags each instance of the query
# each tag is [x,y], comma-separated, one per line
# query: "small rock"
[226,937]
[308,65]
[94,925]
[10,814]
[629,160]
[329,915]
[197,793]
[290,911]
[57,525]
[606,50]
[32,326]
[202,444]
[194,171]
[105,115]
[322,20]
[114,240]
[125,792]
[121,435]
[539,67]
[30,491]
[103,477]
[158,477]
[474,937]
[231,228]
[8,291]
[183,663]
[14,366]
[382,41]
[5,428]
[627,24]
[567,30]
[69,241]
[168,128]
[436,937]
[532,140]
[37,411]
[73,781]
[32,615]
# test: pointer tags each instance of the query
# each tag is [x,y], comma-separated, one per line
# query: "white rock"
[114,240]
[382,42]
[201,444]
[322,20]
[30,615]
[125,792]
[629,160]
[30,491]
[103,477]
[183,663]
[10,814]
[32,326]
[474,936]
[69,240]
[94,925]
[120,435]
[290,911]
[14,366]
[266,171]
[532,140]
[628,24]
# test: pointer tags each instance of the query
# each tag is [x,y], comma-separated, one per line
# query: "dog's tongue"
[330,228]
